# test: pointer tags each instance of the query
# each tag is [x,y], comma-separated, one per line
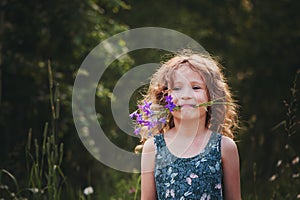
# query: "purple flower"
[137,131]
[146,108]
[156,119]
[170,105]
[148,124]
[145,117]
[133,115]
[139,119]
[169,98]
[162,120]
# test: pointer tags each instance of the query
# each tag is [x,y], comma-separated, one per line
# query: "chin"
[189,114]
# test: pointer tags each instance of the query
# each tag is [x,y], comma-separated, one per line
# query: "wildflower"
[131,190]
[146,117]
[88,190]
[155,117]
[133,115]
[5,187]
[162,120]
[170,105]
[295,160]
[146,108]
[296,175]
[273,178]
[34,190]
[137,131]
[278,163]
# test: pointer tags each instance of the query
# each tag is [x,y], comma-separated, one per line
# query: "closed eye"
[196,87]
[176,88]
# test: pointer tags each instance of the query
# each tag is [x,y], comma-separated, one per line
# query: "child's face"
[188,90]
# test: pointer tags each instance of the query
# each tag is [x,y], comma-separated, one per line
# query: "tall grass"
[286,180]
[43,161]
[44,175]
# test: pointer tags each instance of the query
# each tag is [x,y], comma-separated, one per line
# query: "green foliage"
[128,189]
[64,31]
[256,41]
[45,176]
[286,179]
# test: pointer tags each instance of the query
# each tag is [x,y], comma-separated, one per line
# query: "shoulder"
[228,147]
[148,156]
[149,145]
[231,168]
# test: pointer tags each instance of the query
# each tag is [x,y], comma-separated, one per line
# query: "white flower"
[273,178]
[34,190]
[295,160]
[88,190]
[5,187]
[296,175]
[278,163]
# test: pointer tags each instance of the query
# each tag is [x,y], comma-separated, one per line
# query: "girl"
[192,155]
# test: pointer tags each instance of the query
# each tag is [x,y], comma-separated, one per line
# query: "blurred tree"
[64,32]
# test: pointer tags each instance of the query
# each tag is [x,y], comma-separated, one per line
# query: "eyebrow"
[198,81]
[192,82]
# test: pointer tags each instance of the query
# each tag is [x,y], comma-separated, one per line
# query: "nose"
[187,93]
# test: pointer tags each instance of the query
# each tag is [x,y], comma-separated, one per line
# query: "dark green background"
[258,43]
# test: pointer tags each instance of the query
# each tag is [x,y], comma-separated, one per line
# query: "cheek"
[202,96]
[175,97]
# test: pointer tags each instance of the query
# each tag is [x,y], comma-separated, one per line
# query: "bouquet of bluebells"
[150,119]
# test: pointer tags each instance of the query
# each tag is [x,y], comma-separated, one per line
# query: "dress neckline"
[202,152]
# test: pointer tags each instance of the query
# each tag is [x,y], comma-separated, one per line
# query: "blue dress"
[197,177]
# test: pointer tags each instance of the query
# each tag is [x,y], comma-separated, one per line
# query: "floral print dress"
[197,177]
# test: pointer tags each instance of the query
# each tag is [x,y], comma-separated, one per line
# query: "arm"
[148,189]
[231,169]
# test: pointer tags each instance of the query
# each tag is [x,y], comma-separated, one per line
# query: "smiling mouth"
[187,106]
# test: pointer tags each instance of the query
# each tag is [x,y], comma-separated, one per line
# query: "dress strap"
[214,141]
[216,144]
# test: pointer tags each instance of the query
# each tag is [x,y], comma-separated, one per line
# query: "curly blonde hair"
[221,117]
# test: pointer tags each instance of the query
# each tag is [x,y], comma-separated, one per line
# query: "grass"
[43,161]
[46,179]
[286,180]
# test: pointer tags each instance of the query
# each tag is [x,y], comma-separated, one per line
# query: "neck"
[190,128]
[187,136]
